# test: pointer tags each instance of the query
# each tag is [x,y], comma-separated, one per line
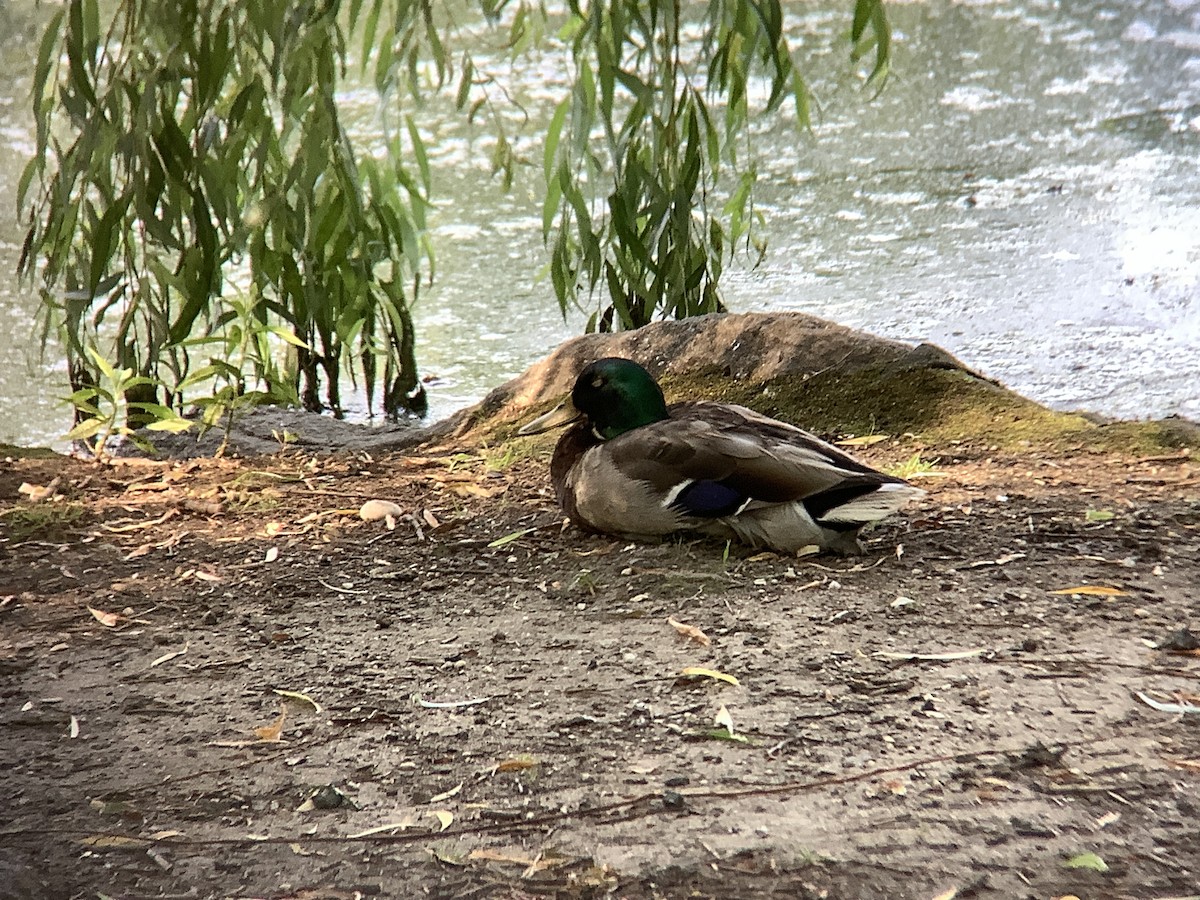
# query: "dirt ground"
[481,704]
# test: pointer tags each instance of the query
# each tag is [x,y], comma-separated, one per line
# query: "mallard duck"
[634,467]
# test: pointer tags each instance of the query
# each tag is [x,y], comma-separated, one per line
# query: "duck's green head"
[615,395]
[618,395]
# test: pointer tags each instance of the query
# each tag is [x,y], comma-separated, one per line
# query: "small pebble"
[672,799]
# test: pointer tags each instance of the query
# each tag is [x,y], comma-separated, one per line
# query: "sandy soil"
[495,705]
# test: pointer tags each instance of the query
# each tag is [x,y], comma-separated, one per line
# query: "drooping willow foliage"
[672,112]
[197,198]
[199,217]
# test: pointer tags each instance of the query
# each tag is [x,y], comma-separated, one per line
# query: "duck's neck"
[633,413]
[572,445]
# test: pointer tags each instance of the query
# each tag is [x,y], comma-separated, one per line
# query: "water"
[1025,194]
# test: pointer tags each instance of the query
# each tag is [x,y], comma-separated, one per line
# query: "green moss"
[939,405]
[15,452]
[47,521]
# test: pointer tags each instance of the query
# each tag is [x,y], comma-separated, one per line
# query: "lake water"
[1025,193]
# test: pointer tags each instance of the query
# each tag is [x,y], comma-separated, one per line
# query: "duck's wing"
[714,460]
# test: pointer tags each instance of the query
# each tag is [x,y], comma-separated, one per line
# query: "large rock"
[754,347]
[733,356]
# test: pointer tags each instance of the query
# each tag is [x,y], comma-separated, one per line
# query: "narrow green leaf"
[33,167]
[723,734]
[368,36]
[287,336]
[85,429]
[553,136]
[465,82]
[174,424]
[509,538]
[641,91]
[583,110]
[801,96]
[106,368]
[45,57]
[83,395]
[91,25]
[102,240]
[419,153]
[550,203]
[76,56]
[863,11]
[1086,861]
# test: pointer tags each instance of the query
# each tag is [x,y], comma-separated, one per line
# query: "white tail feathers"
[879,504]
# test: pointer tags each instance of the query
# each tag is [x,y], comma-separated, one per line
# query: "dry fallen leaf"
[167,657]
[107,619]
[516,764]
[865,441]
[37,493]
[446,795]
[1093,590]
[379,829]
[690,631]
[947,895]
[930,657]
[496,856]
[710,673]
[114,842]
[471,489]
[444,816]
[272,733]
[204,507]
[299,697]
[1176,708]
[724,719]
[450,704]
[139,526]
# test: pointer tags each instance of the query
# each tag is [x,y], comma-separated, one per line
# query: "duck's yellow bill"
[563,414]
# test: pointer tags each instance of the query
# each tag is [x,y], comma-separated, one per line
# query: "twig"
[618,810]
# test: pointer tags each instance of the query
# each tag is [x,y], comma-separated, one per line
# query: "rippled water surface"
[1026,193]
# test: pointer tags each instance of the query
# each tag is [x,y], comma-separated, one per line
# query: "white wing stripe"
[673,493]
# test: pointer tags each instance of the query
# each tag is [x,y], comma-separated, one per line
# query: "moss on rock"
[824,377]
[938,405]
